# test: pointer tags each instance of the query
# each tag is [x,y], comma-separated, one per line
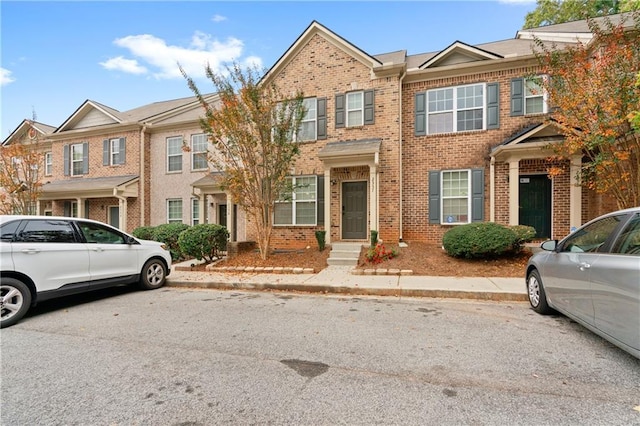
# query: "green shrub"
[168,233]
[479,240]
[379,253]
[320,237]
[374,238]
[524,234]
[143,232]
[204,241]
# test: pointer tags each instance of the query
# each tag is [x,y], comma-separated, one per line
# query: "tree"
[549,12]
[592,88]
[19,177]
[252,129]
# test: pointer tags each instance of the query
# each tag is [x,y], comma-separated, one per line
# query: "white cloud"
[162,59]
[5,77]
[218,18]
[119,63]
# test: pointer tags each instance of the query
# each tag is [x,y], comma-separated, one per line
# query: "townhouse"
[405,145]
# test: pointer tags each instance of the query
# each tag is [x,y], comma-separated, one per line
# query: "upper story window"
[309,125]
[299,206]
[76,159]
[528,96]
[199,151]
[113,151]
[457,109]
[48,163]
[355,109]
[174,154]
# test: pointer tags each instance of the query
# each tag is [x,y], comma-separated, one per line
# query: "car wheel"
[537,296]
[154,274]
[15,300]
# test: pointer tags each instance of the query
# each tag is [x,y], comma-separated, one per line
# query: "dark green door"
[354,210]
[222,214]
[535,204]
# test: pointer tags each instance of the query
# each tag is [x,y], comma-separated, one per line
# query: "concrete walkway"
[339,280]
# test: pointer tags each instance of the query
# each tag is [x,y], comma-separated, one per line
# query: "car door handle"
[97,249]
[584,266]
[30,251]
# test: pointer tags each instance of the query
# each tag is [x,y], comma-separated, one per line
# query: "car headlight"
[164,247]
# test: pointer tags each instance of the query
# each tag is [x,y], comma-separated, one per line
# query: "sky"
[55,55]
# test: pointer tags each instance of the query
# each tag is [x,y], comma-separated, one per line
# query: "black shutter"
[477,195]
[320,199]
[421,114]
[85,158]
[322,118]
[340,117]
[517,97]
[369,100]
[434,196]
[493,106]
[122,151]
[66,154]
[105,152]
[86,209]
[67,208]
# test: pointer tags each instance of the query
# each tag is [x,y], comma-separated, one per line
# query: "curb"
[331,289]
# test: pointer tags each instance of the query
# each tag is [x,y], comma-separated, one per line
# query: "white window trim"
[296,138]
[545,97]
[194,152]
[72,162]
[468,197]
[455,109]
[48,163]
[361,109]
[114,149]
[294,202]
[169,155]
[175,220]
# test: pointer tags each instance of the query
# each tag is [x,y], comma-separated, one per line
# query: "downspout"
[404,73]
[492,189]
[123,211]
[142,177]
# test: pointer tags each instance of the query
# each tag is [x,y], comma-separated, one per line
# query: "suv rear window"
[46,231]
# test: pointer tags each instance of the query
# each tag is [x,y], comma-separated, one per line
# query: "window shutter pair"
[368,106]
[492,102]
[106,152]
[66,153]
[477,196]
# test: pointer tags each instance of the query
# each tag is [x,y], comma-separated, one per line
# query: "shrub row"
[203,241]
[486,240]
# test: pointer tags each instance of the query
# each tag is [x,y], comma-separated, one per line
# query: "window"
[629,240]
[73,212]
[528,96]
[456,109]
[308,127]
[174,154]
[174,210]
[456,196]
[199,151]
[355,109]
[592,237]
[535,98]
[77,159]
[298,207]
[195,211]
[113,151]
[48,163]
[97,234]
[47,231]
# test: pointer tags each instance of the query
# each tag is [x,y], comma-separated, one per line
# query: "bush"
[143,232]
[374,238]
[380,253]
[479,240]
[524,234]
[320,237]
[168,233]
[204,241]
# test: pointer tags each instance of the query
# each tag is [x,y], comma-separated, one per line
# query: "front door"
[535,204]
[354,210]
[114,216]
[222,214]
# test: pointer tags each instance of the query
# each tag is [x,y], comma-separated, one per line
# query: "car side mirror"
[549,245]
[130,240]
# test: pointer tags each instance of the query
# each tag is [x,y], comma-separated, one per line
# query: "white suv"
[42,257]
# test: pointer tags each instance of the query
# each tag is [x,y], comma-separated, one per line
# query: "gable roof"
[41,129]
[315,28]
[458,52]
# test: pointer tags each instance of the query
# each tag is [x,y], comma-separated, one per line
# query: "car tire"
[536,293]
[153,275]
[16,301]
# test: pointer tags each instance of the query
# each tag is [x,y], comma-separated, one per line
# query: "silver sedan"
[593,277]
